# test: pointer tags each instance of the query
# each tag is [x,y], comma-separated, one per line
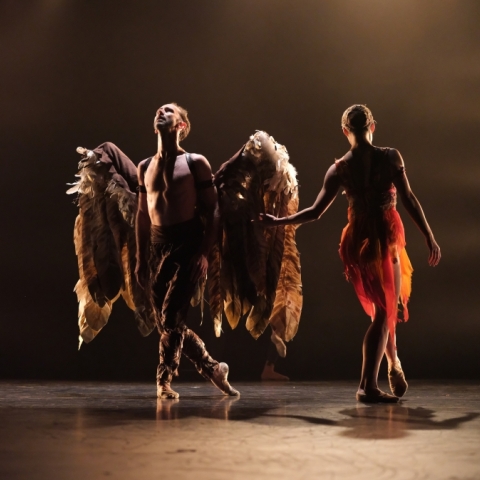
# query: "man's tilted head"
[172,116]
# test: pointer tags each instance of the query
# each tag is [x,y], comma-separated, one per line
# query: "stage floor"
[63,431]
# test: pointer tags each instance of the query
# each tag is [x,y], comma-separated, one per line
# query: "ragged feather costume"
[253,271]
[104,237]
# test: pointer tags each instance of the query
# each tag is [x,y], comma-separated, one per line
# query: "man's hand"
[198,267]
[434,249]
[141,274]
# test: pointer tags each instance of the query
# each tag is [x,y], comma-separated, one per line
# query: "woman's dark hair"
[357,118]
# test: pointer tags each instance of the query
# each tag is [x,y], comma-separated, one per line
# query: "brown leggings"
[173,344]
[172,249]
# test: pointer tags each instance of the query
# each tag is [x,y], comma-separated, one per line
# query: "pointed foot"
[219,379]
[269,374]
[166,393]
[396,379]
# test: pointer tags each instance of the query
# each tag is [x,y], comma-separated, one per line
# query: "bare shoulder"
[332,178]
[199,159]
[345,158]
[339,166]
[332,170]
[395,158]
[142,166]
[202,166]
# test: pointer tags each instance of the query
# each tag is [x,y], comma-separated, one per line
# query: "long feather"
[86,250]
[257,320]
[288,300]
[91,317]
[104,240]
[127,291]
[275,258]
[258,179]
[106,251]
[215,295]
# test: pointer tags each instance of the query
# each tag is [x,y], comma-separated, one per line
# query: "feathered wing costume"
[253,271]
[104,237]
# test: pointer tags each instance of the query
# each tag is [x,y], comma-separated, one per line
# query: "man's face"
[167,118]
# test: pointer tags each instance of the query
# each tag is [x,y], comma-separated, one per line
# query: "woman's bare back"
[367,175]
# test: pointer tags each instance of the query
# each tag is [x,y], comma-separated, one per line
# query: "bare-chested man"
[173,245]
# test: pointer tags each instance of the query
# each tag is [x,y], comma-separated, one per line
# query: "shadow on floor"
[369,422]
[385,421]
[104,405]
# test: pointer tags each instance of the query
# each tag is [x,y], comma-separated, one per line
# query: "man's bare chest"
[171,175]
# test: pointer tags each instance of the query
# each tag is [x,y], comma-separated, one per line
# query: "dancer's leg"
[273,353]
[170,292]
[374,345]
[391,348]
[373,350]
[194,349]
[170,353]
[163,272]
[377,342]
[396,377]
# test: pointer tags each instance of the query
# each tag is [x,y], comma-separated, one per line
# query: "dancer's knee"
[173,330]
[380,318]
[174,320]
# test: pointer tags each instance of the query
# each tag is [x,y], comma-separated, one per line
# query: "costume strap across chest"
[199,185]
[141,188]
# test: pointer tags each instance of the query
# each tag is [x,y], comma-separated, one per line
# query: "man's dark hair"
[357,118]
[184,116]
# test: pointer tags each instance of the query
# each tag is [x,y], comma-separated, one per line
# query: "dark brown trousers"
[171,252]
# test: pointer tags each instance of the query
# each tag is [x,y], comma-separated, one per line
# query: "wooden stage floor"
[292,430]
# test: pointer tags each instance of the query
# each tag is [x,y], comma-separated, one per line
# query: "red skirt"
[369,247]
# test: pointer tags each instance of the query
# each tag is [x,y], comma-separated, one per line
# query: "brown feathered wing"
[254,271]
[104,238]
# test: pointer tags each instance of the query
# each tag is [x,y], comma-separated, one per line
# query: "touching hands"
[268,220]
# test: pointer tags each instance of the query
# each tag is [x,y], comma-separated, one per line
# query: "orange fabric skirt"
[369,247]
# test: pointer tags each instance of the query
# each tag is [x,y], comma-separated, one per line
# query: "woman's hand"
[268,220]
[434,249]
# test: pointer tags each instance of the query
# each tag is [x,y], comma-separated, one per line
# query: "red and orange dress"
[374,238]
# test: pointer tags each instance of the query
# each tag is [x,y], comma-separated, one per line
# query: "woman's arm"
[413,207]
[324,199]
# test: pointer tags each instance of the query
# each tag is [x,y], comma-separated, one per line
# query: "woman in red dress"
[372,245]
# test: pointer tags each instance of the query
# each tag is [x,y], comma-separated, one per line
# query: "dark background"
[84,72]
